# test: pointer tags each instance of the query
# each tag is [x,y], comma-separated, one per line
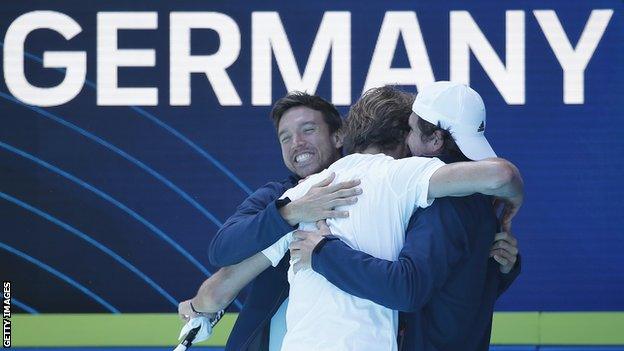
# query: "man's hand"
[304,243]
[511,206]
[185,311]
[505,251]
[321,200]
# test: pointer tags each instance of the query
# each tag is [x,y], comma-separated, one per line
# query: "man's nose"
[298,140]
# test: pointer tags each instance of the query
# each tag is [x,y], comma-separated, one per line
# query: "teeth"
[302,157]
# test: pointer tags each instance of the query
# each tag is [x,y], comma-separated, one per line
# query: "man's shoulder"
[359,165]
[299,188]
[281,185]
[351,160]
[274,189]
[458,218]
[476,205]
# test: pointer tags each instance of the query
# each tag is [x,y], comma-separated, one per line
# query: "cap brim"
[427,113]
[475,147]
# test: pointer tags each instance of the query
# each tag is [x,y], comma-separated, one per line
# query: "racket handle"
[180,348]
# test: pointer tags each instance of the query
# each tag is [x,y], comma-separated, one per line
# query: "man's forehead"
[300,116]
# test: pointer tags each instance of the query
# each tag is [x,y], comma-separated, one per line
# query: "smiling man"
[309,132]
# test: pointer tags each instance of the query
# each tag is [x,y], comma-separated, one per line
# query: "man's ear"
[437,142]
[338,138]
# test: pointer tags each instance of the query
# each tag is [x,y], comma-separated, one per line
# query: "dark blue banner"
[131,131]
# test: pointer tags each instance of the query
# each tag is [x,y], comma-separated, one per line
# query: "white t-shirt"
[277,330]
[319,315]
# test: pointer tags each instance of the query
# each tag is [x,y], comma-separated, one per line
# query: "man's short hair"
[331,116]
[449,146]
[379,118]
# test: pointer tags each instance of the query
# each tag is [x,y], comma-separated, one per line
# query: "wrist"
[316,254]
[287,212]
[196,307]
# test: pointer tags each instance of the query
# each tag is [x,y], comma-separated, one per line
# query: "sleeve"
[276,252]
[409,180]
[506,279]
[435,242]
[256,225]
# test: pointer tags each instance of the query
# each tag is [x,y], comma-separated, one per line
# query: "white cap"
[458,109]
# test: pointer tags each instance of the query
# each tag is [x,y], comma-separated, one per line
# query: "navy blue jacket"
[257,224]
[443,275]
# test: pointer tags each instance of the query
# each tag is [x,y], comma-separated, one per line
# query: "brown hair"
[379,118]
[314,102]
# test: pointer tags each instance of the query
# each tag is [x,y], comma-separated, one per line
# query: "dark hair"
[314,102]
[449,146]
[379,118]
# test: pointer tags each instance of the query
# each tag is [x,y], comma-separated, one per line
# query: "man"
[442,272]
[259,223]
[313,130]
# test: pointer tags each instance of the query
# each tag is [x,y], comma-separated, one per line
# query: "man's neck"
[371,150]
[376,150]
[450,158]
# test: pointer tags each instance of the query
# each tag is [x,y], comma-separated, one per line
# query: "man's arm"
[259,221]
[218,291]
[256,224]
[492,176]
[389,283]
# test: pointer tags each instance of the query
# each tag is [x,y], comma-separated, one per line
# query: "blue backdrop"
[111,208]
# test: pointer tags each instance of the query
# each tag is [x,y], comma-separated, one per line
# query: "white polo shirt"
[319,315]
